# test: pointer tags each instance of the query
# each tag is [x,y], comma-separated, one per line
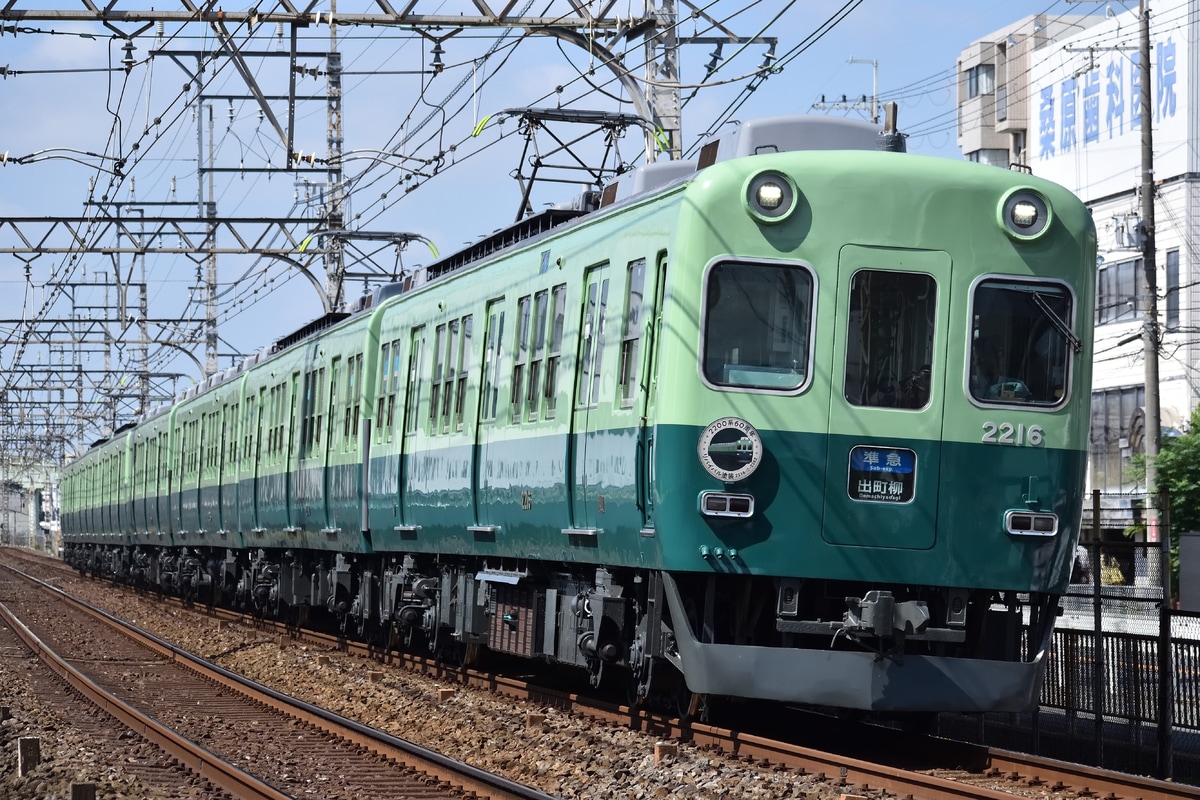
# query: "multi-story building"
[1060,96]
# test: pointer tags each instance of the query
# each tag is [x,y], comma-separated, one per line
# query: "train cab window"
[1021,341]
[757,320]
[890,338]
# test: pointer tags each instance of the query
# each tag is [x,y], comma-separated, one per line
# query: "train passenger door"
[588,371]
[257,452]
[887,396]
[328,441]
[647,387]
[290,463]
[411,441]
[486,429]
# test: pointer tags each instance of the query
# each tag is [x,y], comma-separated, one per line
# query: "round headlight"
[1024,214]
[770,196]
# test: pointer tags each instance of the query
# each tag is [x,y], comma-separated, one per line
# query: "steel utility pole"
[662,84]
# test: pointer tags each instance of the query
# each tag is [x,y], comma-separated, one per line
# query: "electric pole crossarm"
[170,235]
[292,16]
[243,69]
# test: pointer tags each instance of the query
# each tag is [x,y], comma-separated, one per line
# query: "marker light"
[770,196]
[1024,214]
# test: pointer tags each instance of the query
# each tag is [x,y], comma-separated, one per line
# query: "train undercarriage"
[815,642]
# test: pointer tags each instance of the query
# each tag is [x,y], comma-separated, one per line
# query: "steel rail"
[457,773]
[1032,770]
[216,771]
[1088,781]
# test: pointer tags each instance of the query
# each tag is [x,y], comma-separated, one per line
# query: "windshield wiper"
[1058,322]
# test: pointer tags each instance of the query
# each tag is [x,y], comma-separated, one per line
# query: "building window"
[992,157]
[1001,103]
[981,79]
[1108,444]
[1119,292]
[1172,289]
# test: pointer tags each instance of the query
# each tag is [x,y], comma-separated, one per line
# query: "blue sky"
[65,100]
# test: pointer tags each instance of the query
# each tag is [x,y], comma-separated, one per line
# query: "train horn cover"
[1024,214]
[770,196]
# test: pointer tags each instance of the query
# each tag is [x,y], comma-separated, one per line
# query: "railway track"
[884,762]
[248,740]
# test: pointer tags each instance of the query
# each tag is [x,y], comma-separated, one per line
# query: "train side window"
[464,366]
[267,418]
[317,414]
[288,422]
[307,402]
[1021,340]
[412,397]
[452,353]
[493,347]
[439,365]
[353,402]
[558,305]
[385,366]
[393,389]
[228,441]
[757,319]
[194,445]
[333,430]
[632,334]
[453,333]
[591,363]
[537,353]
[249,426]
[215,441]
[890,339]
[520,354]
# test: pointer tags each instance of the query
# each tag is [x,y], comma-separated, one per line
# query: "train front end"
[870,429]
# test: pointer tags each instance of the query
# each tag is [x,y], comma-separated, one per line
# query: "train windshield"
[756,326]
[1021,343]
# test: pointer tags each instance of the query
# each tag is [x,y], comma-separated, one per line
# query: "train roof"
[769,135]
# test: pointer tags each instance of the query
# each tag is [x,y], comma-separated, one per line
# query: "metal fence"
[1102,701]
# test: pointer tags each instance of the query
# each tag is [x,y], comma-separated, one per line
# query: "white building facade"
[1061,97]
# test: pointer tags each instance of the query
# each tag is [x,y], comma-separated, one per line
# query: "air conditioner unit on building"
[1127,232]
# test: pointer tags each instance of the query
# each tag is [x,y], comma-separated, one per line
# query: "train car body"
[804,421]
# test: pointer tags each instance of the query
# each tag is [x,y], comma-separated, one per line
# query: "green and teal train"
[801,420]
